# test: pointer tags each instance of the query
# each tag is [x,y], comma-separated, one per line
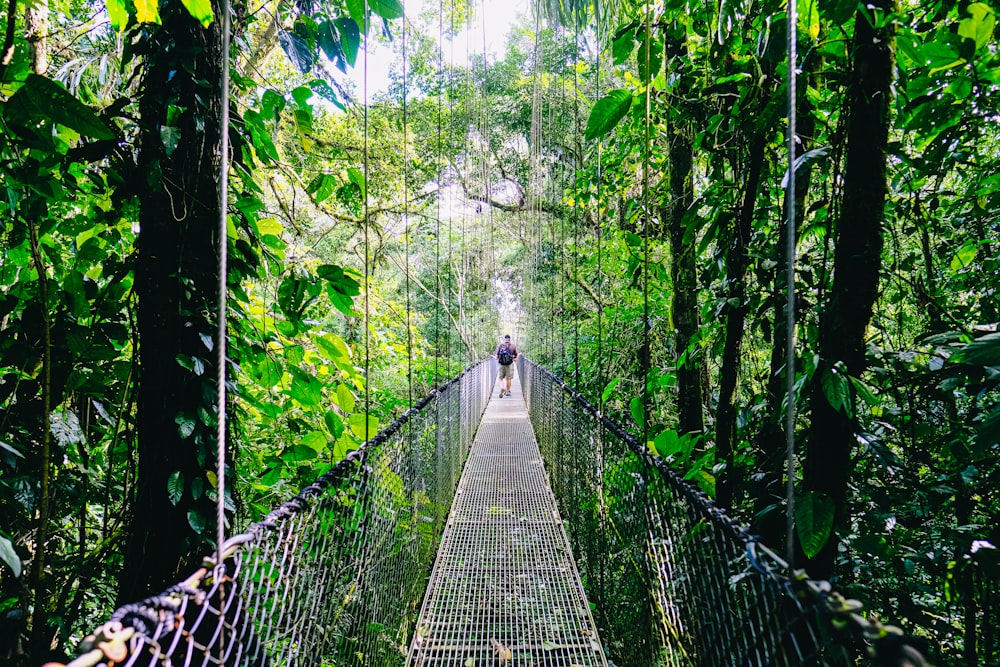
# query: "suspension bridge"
[478,530]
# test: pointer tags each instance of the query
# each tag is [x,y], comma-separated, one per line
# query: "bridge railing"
[674,580]
[334,576]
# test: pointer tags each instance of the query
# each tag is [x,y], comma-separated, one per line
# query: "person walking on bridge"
[506,354]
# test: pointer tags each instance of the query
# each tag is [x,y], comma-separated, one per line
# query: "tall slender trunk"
[684,277]
[41,632]
[176,279]
[736,267]
[857,263]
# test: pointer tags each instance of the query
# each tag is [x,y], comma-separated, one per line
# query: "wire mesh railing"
[334,576]
[674,580]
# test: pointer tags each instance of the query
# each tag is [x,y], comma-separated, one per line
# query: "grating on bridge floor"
[504,589]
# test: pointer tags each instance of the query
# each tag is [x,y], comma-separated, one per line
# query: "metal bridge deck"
[504,589]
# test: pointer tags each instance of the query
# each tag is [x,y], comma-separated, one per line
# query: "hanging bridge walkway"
[504,586]
[441,542]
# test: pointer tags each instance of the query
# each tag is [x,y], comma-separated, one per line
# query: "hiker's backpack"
[504,355]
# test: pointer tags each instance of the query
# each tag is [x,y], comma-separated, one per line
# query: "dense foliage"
[611,189]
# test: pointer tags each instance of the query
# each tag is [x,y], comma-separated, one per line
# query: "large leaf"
[201,10]
[964,256]
[805,160]
[147,11]
[980,24]
[117,13]
[607,112]
[42,98]
[329,41]
[350,38]
[982,352]
[175,487]
[813,521]
[387,9]
[638,412]
[837,390]
[9,556]
[358,11]
[306,389]
[297,51]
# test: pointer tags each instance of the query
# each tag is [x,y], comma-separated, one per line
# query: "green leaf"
[667,443]
[333,423]
[609,389]
[196,520]
[333,348]
[41,97]
[813,521]
[964,256]
[357,177]
[357,423]
[638,412]
[269,226]
[838,12]
[9,556]
[865,392]
[170,136]
[147,11]
[982,352]
[387,9]
[298,453]
[175,487]
[940,56]
[357,10]
[980,24]
[306,389]
[297,51]
[185,426]
[329,41]
[201,10]
[315,440]
[809,18]
[117,13]
[607,112]
[837,390]
[350,39]
[623,46]
[345,399]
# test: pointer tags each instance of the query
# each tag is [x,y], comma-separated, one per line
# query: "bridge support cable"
[333,576]
[505,588]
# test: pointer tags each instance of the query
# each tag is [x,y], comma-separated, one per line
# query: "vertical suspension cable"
[437,223]
[487,172]
[599,224]
[406,227]
[577,167]
[533,186]
[365,223]
[790,297]
[220,436]
[646,213]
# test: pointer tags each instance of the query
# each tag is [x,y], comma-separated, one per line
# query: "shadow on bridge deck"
[504,586]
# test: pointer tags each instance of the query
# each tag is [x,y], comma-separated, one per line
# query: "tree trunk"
[857,263]
[684,276]
[736,266]
[176,279]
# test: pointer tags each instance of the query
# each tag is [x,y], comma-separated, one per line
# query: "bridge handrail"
[387,500]
[845,633]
